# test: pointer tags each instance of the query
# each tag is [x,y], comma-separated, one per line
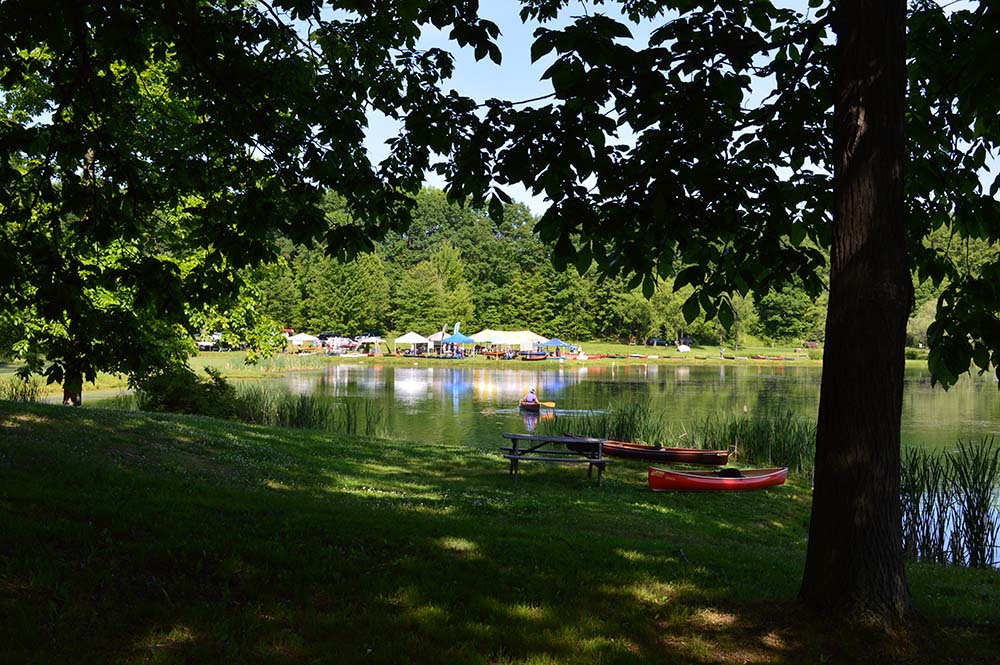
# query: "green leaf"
[692,275]
[543,44]
[496,209]
[981,356]
[726,315]
[648,287]
[690,308]
[759,18]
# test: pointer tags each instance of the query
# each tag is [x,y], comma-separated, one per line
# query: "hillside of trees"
[456,264]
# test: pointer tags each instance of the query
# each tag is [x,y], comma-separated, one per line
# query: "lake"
[453,404]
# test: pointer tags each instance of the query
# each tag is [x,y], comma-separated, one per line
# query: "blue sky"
[516,78]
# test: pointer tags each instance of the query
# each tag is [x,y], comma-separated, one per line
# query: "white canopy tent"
[303,339]
[371,345]
[434,341]
[525,340]
[410,338]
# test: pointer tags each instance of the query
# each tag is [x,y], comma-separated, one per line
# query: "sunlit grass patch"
[462,546]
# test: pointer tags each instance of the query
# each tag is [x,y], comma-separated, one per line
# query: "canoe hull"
[532,407]
[661,480]
[637,451]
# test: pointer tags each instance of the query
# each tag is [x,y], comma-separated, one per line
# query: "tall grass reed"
[778,439]
[951,504]
[775,439]
[268,405]
[926,497]
[16,389]
[625,421]
[288,362]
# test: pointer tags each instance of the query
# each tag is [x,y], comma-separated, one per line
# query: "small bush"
[916,354]
[815,354]
[180,390]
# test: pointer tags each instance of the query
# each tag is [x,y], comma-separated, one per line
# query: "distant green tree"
[419,300]
[346,298]
[570,300]
[785,314]
[670,320]
[456,293]
[280,294]
[493,306]
[529,303]
[634,316]
[920,320]
[744,321]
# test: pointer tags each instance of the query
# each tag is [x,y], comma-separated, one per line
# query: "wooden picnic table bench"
[532,448]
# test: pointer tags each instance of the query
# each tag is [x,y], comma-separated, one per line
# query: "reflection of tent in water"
[410,385]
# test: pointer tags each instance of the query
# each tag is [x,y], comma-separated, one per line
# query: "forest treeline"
[456,264]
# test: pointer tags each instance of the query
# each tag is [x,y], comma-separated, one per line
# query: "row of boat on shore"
[725,479]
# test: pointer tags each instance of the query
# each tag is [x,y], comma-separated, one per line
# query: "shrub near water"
[179,390]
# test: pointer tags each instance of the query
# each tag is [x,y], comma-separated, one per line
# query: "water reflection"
[474,405]
[530,421]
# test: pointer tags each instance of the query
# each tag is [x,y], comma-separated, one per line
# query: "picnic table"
[538,448]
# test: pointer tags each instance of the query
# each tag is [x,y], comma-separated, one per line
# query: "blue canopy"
[555,341]
[458,338]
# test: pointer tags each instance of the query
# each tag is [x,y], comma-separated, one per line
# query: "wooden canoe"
[638,451]
[534,356]
[533,407]
[748,479]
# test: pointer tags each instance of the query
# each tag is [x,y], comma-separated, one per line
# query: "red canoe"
[534,356]
[749,479]
[627,450]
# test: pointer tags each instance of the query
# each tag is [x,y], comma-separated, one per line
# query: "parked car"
[657,341]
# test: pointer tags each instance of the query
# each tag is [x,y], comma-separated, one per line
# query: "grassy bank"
[141,538]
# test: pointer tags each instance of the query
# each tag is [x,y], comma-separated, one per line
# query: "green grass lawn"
[142,538]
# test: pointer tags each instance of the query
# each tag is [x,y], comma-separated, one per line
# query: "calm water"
[475,405]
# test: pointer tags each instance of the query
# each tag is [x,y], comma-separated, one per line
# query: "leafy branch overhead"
[152,152]
[707,151]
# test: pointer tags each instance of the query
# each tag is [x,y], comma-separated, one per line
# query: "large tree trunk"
[73,388]
[854,560]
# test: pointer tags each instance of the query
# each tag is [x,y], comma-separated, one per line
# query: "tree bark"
[73,389]
[854,561]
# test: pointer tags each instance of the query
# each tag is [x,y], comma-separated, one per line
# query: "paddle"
[551,405]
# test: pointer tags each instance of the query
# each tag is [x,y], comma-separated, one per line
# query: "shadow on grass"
[138,538]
